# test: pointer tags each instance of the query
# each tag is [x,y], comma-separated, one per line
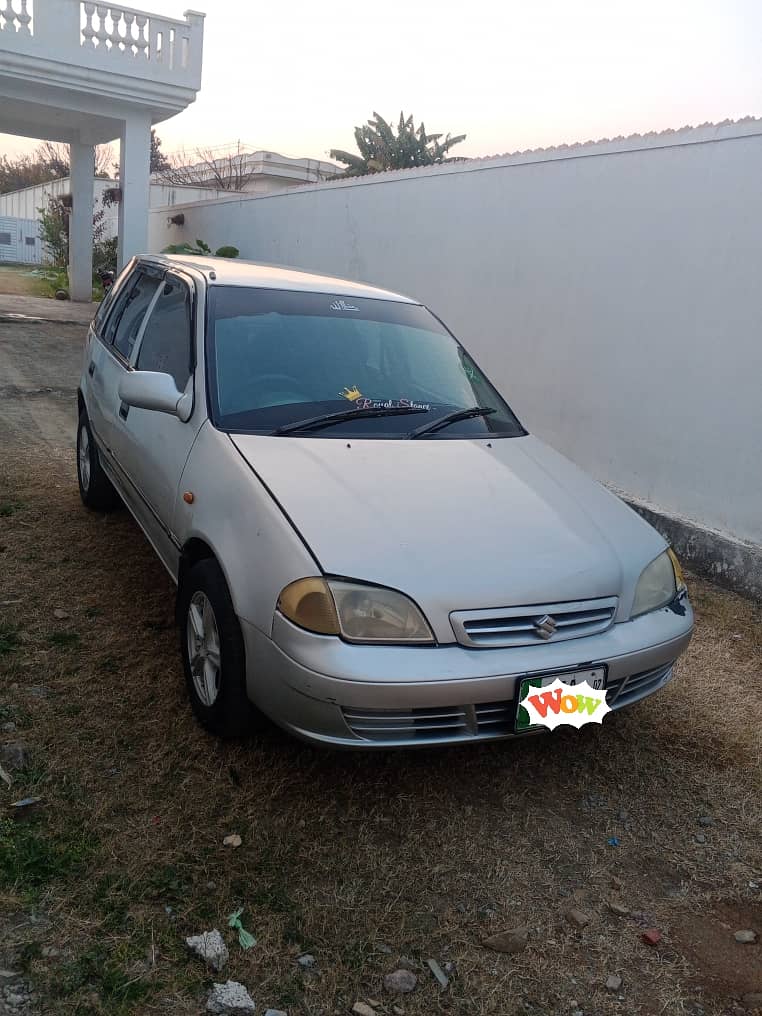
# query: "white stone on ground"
[210,947]
[230,999]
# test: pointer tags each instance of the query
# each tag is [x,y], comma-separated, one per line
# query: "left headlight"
[359,613]
[658,585]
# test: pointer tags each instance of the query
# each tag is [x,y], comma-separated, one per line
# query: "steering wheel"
[291,385]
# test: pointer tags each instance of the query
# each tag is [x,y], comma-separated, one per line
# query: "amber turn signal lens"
[188,497]
[308,603]
[679,577]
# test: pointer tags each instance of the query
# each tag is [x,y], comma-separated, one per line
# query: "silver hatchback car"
[368,546]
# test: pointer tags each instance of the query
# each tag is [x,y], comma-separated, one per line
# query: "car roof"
[235,272]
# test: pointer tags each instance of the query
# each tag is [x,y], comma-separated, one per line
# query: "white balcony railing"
[16,16]
[107,37]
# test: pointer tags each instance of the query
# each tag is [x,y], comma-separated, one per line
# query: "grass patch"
[8,508]
[32,856]
[9,639]
[64,639]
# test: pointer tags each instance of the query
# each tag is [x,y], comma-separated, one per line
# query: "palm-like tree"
[381,149]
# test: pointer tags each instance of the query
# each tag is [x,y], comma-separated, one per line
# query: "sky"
[296,77]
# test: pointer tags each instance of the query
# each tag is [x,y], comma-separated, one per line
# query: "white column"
[134,179]
[81,222]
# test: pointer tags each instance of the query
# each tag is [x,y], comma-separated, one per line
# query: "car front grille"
[533,625]
[482,721]
[446,723]
[637,686]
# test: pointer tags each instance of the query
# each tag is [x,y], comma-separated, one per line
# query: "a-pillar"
[134,182]
[81,222]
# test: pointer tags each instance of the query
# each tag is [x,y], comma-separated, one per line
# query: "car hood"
[456,524]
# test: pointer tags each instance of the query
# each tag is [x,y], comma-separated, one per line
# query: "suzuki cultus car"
[368,546]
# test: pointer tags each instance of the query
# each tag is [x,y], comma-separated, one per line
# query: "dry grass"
[15,280]
[424,852]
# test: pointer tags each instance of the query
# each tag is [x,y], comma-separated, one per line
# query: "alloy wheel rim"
[83,458]
[203,639]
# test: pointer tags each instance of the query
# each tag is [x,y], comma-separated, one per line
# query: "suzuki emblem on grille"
[545,626]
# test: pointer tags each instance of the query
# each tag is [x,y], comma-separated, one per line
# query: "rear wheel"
[214,658]
[95,488]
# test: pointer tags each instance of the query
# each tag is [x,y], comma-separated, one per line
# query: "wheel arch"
[194,550]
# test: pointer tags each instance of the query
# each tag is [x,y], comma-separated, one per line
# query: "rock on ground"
[511,941]
[613,982]
[210,947]
[400,982]
[14,755]
[361,1009]
[578,918]
[618,909]
[746,937]
[230,999]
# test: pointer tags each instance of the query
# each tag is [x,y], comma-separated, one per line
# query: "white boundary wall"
[611,290]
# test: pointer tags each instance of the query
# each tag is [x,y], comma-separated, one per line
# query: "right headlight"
[357,612]
[658,585]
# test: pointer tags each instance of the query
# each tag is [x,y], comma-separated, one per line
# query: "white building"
[253,172]
[265,173]
[20,212]
[85,73]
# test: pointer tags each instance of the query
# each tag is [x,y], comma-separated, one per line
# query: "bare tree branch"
[204,167]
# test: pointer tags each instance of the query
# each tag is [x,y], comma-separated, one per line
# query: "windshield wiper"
[445,421]
[328,419]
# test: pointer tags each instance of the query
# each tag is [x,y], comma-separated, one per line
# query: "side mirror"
[148,389]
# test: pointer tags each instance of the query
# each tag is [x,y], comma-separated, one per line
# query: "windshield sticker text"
[391,404]
[343,305]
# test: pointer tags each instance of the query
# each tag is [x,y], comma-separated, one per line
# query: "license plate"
[595,677]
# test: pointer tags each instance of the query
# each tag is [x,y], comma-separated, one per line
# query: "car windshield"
[278,359]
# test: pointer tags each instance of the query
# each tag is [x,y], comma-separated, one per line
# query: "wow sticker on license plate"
[572,698]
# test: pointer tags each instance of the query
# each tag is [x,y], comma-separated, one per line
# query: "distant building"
[256,172]
[234,169]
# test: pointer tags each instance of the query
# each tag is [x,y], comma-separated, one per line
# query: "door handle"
[91,368]
[124,410]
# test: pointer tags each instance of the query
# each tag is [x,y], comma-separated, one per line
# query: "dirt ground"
[366,862]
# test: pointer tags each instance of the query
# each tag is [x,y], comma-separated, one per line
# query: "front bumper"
[329,692]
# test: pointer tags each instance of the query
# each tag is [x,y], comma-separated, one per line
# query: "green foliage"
[201,248]
[382,149]
[54,230]
[159,161]
[105,255]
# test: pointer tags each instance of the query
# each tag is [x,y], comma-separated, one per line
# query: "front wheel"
[95,488]
[213,653]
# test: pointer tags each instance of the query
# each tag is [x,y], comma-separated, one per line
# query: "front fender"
[232,511]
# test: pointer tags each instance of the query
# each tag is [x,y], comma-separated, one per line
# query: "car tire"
[213,653]
[95,488]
